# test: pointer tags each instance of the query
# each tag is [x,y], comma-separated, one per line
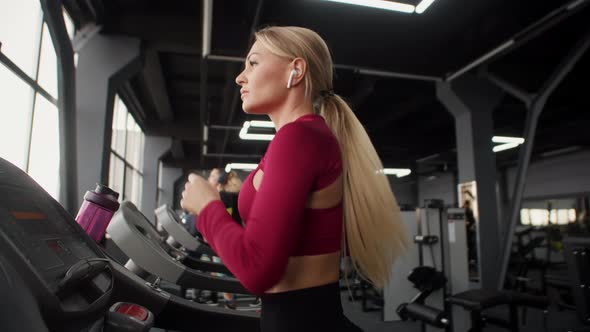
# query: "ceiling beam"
[185,87]
[183,163]
[129,97]
[156,85]
[229,90]
[206,49]
[177,149]
[77,12]
[172,47]
[187,131]
[156,28]
[523,36]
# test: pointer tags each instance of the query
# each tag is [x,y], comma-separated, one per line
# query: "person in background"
[471,235]
[228,185]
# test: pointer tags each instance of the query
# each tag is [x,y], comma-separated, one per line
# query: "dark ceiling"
[402,115]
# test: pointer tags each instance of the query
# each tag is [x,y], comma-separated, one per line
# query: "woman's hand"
[197,194]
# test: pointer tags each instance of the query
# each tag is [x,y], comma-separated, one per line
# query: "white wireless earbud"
[290,81]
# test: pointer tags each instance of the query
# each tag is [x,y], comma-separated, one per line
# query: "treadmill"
[56,278]
[177,234]
[133,233]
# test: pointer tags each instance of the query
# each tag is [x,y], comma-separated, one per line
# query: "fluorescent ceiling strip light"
[506,139]
[399,172]
[256,137]
[506,142]
[504,146]
[423,5]
[261,124]
[242,166]
[380,4]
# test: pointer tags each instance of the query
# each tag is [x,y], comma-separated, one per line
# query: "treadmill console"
[66,281]
[44,235]
[34,227]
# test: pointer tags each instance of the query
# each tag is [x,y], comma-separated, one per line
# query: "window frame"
[121,156]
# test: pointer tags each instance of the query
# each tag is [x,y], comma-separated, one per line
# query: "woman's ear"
[299,68]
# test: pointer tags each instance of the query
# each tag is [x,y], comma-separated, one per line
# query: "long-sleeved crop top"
[303,157]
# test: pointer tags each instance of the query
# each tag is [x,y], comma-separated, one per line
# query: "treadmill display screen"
[42,231]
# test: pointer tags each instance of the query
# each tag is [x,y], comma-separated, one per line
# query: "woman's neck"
[290,114]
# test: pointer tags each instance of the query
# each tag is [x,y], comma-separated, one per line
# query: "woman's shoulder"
[305,144]
[315,133]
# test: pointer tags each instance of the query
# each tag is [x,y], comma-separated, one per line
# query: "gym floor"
[372,322]
[557,321]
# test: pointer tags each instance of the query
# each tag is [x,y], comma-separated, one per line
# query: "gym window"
[29,118]
[126,158]
[544,217]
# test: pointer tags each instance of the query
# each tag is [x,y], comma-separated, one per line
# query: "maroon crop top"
[303,157]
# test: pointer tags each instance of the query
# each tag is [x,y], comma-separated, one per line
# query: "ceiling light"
[258,137]
[399,172]
[242,166]
[261,124]
[507,139]
[506,142]
[381,4]
[505,146]
[423,5]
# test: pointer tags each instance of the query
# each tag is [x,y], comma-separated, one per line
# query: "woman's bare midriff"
[316,270]
[309,271]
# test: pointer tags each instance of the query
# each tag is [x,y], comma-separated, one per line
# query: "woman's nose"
[240,79]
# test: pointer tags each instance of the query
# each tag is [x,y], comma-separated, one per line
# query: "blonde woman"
[319,192]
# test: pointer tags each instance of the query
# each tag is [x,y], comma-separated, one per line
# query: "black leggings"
[308,310]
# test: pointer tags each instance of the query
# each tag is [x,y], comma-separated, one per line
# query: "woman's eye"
[252,63]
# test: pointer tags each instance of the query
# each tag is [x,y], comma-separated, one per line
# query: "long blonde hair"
[374,233]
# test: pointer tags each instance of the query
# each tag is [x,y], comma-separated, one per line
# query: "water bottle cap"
[102,189]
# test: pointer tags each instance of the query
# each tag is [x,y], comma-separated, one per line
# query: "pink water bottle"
[97,210]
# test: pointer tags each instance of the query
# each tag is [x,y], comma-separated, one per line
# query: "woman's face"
[263,81]
[213,178]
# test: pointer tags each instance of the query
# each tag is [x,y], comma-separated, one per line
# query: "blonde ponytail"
[373,233]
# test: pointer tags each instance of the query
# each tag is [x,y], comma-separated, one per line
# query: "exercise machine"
[61,280]
[178,236]
[577,255]
[445,300]
[133,233]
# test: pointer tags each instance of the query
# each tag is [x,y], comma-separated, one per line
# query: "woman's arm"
[258,255]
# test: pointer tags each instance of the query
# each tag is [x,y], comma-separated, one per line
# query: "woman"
[320,174]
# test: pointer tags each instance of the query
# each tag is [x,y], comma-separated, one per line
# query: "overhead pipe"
[509,88]
[385,73]
[355,69]
[206,49]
